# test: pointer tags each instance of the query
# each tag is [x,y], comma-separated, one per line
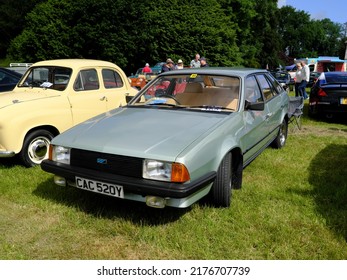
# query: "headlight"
[60,154]
[165,171]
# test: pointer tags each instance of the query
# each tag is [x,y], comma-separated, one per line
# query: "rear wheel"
[281,137]
[35,147]
[221,189]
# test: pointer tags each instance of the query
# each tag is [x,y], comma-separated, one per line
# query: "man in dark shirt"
[203,62]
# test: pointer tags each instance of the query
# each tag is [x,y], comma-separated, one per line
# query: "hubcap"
[283,134]
[38,149]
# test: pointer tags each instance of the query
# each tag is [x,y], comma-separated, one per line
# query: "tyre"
[35,147]
[221,189]
[281,137]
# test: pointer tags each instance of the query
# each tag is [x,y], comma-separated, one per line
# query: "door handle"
[103,98]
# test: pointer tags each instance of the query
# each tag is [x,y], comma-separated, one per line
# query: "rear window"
[336,79]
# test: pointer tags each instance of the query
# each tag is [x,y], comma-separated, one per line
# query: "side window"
[266,87]
[252,91]
[276,84]
[111,79]
[87,80]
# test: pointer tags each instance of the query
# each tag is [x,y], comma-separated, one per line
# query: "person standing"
[147,69]
[203,62]
[195,63]
[305,73]
[168,66]
[298,78]
[179,64]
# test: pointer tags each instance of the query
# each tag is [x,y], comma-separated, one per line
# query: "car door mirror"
[256,106]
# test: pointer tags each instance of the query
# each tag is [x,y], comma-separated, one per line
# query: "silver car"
[186,135]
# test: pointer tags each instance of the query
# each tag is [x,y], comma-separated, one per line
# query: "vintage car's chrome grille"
[115,164]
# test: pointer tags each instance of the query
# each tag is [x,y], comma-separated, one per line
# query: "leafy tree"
[292,30]
[130,33]
[12,20]
[326,35]
[181,30]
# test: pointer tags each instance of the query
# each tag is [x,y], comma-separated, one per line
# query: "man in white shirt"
[195,63]
[305,74]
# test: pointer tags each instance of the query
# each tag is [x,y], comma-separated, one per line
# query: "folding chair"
[295,110]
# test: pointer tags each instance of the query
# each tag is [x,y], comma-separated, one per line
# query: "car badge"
[101,160]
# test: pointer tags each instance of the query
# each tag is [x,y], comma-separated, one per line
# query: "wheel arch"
[50,128]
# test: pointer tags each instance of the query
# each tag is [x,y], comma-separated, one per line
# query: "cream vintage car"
[53,96]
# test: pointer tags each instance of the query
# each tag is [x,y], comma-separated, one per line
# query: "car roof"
[74,62]
[229,71]
[11,72]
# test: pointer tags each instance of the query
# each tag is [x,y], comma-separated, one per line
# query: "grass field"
[293,205]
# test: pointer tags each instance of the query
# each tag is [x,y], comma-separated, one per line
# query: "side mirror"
[256,106]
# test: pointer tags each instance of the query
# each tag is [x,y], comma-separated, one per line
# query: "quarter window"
[275,83]
[266,87]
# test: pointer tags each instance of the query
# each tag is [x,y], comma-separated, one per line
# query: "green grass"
[293,205]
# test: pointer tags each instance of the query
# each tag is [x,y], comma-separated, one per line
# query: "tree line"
[248,33]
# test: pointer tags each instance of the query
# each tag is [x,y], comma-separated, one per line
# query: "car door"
[114,88]
[255,132]
[273,101]
[86,99]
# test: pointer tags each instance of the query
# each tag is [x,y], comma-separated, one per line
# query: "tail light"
[322,93]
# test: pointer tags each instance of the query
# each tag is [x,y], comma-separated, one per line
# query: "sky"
[335,10]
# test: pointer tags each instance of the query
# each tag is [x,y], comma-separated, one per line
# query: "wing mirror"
[256,106]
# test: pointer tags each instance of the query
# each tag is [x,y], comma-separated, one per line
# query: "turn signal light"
[179,173]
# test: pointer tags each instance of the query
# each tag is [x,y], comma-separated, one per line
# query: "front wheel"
[221,189]
[281,137]
[35,147]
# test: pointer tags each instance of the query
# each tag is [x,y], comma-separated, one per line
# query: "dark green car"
[186,135]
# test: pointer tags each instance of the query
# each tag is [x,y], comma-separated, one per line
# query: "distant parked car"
[53,96]
[188,134]
[140,79]
[283,77]
[157,67]
[19,67]
[328,95]
[8,79]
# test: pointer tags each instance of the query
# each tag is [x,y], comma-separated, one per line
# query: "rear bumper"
[321,107]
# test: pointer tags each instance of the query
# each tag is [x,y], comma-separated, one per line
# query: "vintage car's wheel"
[35,147]
[281,137]
[221,189]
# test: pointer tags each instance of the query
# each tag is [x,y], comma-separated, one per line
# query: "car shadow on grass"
[328,177]
[108,207]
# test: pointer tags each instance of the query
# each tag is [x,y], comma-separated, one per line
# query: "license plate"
[343,100]
[99,187]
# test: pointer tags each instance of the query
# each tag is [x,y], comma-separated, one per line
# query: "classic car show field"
[292,206]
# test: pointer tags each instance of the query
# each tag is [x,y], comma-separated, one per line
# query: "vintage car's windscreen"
[47,77]
[208,92]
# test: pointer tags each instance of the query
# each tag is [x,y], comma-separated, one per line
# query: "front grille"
[109,163]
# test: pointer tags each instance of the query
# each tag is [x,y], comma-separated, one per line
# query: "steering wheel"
[170,96]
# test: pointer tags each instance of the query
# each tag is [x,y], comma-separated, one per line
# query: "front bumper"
[176,195]
[7,154]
